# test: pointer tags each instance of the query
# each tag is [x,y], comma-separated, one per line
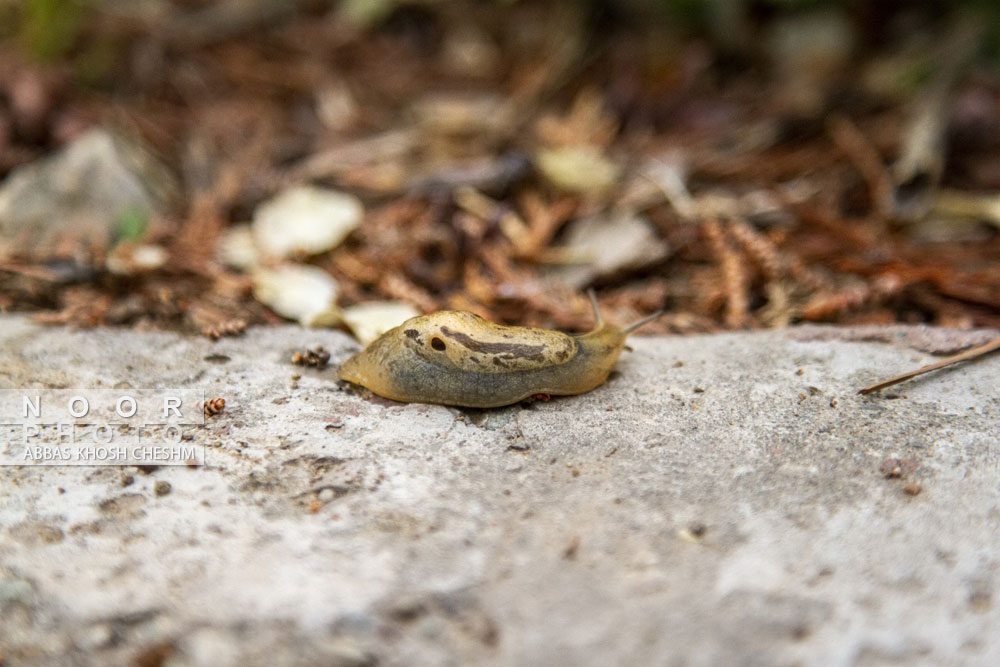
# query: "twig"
[971,205]
[972,353]
[865,158]
[877,291]
[670,176]
[37,272]
[762,249]
[397,286]
[391,145]
[733,274]
[826,305]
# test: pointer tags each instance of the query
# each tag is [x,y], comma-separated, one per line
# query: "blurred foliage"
[49,28]
[990,11]
[131,225]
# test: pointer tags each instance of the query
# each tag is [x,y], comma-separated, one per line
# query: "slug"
[458,358]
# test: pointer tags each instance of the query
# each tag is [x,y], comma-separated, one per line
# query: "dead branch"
[733,275]
[968,355]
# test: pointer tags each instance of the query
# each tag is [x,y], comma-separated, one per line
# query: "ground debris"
[460,159]
[316,357]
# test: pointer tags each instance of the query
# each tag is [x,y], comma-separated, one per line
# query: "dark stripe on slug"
[509,350]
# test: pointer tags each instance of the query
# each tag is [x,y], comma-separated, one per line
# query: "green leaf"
[131,225]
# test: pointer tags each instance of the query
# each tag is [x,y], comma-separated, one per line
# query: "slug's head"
[377,366]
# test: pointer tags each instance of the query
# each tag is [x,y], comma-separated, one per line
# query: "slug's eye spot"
[438,344]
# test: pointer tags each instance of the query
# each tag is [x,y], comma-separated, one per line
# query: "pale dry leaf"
[583,169]
[305,220]
[367,321]
[303,293]
[604,246]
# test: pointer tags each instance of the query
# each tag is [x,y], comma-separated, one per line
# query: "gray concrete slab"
[721,500]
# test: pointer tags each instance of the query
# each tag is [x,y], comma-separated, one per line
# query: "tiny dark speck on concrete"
[162,488]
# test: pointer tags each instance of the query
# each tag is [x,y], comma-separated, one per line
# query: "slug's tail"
[646,320]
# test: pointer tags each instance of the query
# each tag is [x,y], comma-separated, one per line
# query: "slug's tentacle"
[598,319]
[646,320]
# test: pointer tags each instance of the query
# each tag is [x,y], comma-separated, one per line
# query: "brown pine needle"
[971,353]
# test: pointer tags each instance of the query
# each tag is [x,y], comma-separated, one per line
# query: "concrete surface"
[721,501]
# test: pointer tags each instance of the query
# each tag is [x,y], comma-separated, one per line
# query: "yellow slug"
[458,358]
